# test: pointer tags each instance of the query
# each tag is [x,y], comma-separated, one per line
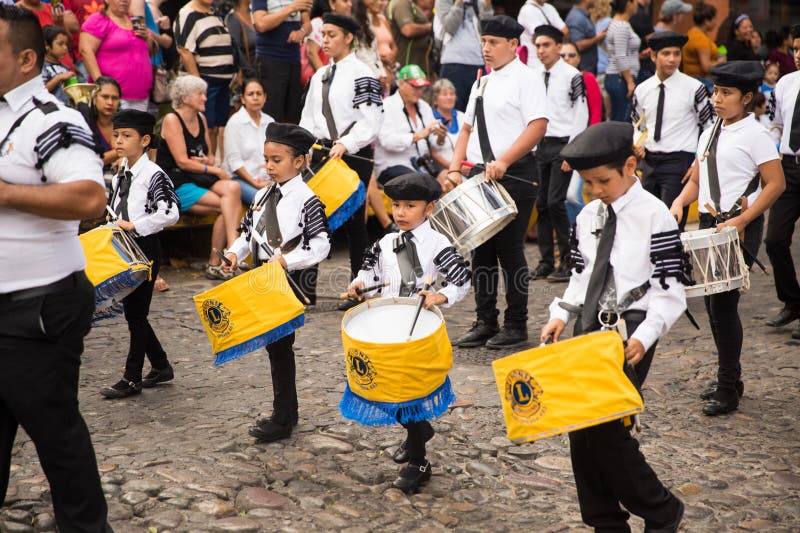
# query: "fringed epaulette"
[160,190]
[575,259]
[314,221]
[634,114]
[772,105]
[703,107]
[61,135]
[367,91]
[246,227]
[577,88]
[371,256]
[670,259]
[454,266]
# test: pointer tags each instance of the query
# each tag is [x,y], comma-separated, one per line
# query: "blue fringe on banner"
[234,352]
[347,209]
[370,413]
[107,294]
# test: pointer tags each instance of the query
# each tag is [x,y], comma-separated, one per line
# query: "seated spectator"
[444,96]
[202,188]
[739,40]
[54,72]
[244,141]
[99,114]
[412,30]
[778,44]
[240,26]
[111,46]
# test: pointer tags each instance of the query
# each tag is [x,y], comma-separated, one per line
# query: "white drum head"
[388,321]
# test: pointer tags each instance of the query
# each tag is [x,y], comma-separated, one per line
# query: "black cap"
[605,143]
[343,21]
[137,120]
[665,39]
[743,75]
[413,186]
[549,31]
[290,135]
[502,26]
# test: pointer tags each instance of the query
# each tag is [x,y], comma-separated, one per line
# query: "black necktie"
[269,220]
[794,132]
[597,281]
[546,81]
[327,112]
[408,261]
[659,113]
[123,189]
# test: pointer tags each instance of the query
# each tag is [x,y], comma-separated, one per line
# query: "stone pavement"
[178,457]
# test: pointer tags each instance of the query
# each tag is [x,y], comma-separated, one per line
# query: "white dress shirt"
[783,101]
[244,143]
[641,219]
[513,97]
[152,203]
[687,112]
[741,148]
[436,256]
[531,15]
[355,99]
[299,213]
[36,250]
[567,112]
[395,146]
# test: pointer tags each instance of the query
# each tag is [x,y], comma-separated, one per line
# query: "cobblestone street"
[178,457]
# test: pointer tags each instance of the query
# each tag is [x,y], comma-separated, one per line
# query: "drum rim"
[381,302]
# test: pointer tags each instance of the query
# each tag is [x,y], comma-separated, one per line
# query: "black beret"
[290,135]
[743,75]
[665,39]
[601,144]
[502,26]
[413,186]
[343,21]
[138,120]
[547,30]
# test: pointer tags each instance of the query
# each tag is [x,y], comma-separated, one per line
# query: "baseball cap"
[673,7]
[413,75]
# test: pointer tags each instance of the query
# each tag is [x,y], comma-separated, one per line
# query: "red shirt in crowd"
[594,98]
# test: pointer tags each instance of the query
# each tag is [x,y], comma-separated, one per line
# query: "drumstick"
[509,176]
[228,262]
[428,283]
[344,295]
[320,147]
[260,241]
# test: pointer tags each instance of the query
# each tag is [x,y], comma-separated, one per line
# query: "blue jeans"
[248,191]
[218,103]
[462,76]
[617,90]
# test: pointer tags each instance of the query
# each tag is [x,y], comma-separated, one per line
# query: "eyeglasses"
[569,54]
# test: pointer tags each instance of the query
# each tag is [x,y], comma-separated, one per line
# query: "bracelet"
[453,172]
[205,169]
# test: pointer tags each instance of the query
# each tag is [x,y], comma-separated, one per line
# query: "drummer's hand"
[337,150]
[279,259]
[127,225]
[496,170]
[676,211]
[565,166]
[634,351]
[736,222]
[554,328]
[234,261]
[432,298]
[638,151]
[355,286]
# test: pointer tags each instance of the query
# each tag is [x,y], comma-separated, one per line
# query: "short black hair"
[247,82]
[50,33]
[795,32]
[24,32]
[618,6]
[703,12]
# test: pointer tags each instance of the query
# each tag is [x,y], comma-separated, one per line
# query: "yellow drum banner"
[340,191]
[566,386]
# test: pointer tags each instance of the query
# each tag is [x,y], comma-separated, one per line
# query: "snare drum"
[390,380]
[340,191]
[717,261]
[473,213]
[115,265]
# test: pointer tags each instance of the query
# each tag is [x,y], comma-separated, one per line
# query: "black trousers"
[552,213]
[416,434]
[137,306]
[41,342]
[507,247]
[723,317]
[284,390]
[610,470]
[281,82]
[664,182]
[783,216]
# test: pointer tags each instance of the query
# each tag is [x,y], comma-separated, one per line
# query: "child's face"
[606,183]
[729,102]
[129,143]
[60,46]
[408,214]
[282,165]
[771,74]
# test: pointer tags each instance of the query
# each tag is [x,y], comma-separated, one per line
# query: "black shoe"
[348,304]
[262,420]
[412,476]
[709,392]
[720,405]
[508,338]
[121,389]
[479,333]
[154,377]
[269,431]
[541,271]
[786,316]
[561,274]
[796,333]
[671,528]
[400,455]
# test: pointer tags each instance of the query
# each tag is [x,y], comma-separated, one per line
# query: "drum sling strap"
[713,183]
[327,112]
[480,118]
[121,192]
[269,223]
[408,261]
[44,107]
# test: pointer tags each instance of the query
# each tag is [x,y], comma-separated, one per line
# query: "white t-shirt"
[532,15]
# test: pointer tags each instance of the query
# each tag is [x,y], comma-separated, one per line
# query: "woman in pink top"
[111,46]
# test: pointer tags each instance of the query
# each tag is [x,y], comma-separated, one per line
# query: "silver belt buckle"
[608,319]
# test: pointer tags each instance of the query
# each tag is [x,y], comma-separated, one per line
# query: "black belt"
[64,284]
[555,140]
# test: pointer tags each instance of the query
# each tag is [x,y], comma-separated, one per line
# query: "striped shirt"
[205,36]
[623,48]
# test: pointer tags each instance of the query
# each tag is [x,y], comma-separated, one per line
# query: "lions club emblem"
[360,369]
[217,317]
[523,393]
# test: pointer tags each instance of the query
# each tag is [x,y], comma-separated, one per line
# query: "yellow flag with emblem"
[339,189]
[566,386]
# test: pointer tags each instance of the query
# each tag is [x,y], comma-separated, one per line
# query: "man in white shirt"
[676,110]
[785,211]
[507,110]
[532,14]
[50,179]
[568,115]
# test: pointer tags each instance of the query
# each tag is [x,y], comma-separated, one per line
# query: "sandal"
[217,272]
[161,284]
